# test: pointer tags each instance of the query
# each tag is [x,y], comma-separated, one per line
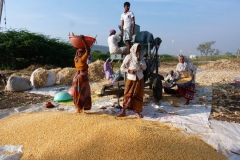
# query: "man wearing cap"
[113,40]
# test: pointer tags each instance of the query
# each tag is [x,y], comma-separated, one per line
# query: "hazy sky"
[181,24]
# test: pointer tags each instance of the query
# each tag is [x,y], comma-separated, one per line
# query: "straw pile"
[96,71]
[40,77]
[222,64]
[65,76]
[59,135]
[55,72]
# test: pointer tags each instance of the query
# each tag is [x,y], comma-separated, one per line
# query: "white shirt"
[113,43]
[128,63]
[127,18]
[172,77]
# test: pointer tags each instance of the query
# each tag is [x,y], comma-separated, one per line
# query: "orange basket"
[78,43]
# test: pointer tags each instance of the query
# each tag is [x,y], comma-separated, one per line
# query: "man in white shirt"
[128,25]
[113,40]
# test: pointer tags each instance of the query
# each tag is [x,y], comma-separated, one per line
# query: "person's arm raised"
[85,44]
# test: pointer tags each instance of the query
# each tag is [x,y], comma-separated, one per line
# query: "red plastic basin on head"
[78,43]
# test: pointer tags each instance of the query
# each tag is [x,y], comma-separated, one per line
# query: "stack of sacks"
[18,83]
[42,78]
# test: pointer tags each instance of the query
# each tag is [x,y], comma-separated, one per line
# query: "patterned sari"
[188,91]
[187,69]
[82,93]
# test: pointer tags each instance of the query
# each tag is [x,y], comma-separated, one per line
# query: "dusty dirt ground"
[225,102]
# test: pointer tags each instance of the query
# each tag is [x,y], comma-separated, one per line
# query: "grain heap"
[222,64]
[59,135]
[95,70]
[65,76]
[183,80]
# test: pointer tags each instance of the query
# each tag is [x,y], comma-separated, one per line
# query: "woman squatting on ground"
[186,69]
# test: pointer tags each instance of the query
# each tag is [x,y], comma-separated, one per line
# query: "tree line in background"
[206,49]
[21,48]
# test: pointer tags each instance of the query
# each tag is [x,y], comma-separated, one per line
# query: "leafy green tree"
[217,52]
[98,55]
[21,48]
[205,48]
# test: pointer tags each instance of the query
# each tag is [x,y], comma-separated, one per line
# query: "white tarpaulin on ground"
[10,152]
[223,136]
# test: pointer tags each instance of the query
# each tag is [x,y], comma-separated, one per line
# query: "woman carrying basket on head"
[186,69]
[81,93]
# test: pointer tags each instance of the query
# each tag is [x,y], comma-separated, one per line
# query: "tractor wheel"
[157,89]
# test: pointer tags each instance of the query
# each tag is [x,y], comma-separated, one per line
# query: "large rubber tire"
[157,89]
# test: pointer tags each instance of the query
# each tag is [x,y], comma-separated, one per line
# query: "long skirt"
[188,91]
[82,93]
[133,95]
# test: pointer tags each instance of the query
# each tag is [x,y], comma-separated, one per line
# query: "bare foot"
[123,114]
[138,115]
[78,110]
[82,111]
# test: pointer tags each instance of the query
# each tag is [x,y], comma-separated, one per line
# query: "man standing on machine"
[127,26]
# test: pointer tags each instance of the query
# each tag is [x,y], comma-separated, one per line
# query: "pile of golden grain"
[61,135]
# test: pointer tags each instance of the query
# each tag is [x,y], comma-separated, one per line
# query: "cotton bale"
[18,83]
[96,71]
[65,76]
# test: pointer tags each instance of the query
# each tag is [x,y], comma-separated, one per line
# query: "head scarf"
[133,55]
[112,32]
[183,66]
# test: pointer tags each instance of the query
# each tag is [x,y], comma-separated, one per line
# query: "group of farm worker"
[133,64]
